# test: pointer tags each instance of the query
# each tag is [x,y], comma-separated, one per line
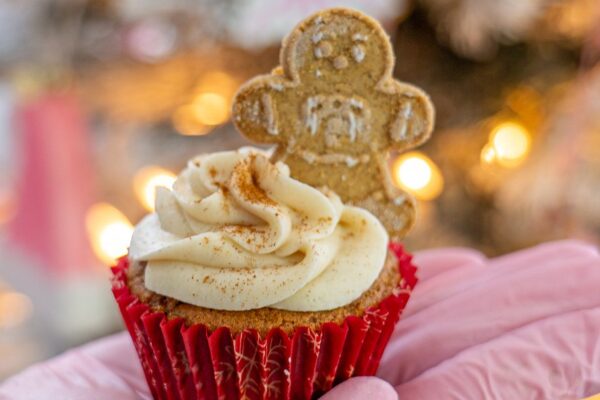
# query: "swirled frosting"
[236,232]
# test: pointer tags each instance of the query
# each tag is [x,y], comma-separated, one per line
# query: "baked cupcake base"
[186,355]
[263,319]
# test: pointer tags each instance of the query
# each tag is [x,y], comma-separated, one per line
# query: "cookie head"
[331,92]
[337,45]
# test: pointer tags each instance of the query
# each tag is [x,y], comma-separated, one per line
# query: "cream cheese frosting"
[236,232]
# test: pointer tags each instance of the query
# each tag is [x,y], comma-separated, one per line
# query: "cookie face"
[335,112]
[336,46]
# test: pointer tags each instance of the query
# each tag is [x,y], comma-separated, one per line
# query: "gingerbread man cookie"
[335,112]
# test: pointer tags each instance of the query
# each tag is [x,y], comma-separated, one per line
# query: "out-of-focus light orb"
[147,180]
[185,122]
[511,143]
[152,40]
[414,173]
[109,232]
[417,174]
[15,308]
[211,108]
[488,154]
[210,104]
[8,206]
[217,82]
[114,239]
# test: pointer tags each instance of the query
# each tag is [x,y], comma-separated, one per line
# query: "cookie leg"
[397,214]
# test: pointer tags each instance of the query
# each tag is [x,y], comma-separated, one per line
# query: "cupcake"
[255,279]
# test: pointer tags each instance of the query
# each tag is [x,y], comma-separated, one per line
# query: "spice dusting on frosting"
[257,238]
[244,179]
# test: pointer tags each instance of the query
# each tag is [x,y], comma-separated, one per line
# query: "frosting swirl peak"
[236,232]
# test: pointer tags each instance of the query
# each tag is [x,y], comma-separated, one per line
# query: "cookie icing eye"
[359,37]
[323,49]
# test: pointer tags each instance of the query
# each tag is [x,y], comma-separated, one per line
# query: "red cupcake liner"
[190,362]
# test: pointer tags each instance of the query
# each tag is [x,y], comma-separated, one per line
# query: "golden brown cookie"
[334,111]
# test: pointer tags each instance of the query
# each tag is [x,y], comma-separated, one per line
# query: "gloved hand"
[522,326]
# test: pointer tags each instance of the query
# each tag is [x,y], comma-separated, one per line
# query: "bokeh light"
[15,308]
[109,232]
[8,206]
[217,82]
[211,108]
[417,174]
[488,154]
[511,141]
[147,180]
[186,122]
[509,145]
[151,40]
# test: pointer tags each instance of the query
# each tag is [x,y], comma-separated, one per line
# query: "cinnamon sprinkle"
[245,179]
[262,319]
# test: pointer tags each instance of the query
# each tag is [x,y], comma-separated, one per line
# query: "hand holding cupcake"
[252,282]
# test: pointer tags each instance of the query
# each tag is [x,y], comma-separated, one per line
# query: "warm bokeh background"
[102,100]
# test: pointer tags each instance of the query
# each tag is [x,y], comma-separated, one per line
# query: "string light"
[147,180]
[417,174]
[15,308]
[109,232]
[508,146]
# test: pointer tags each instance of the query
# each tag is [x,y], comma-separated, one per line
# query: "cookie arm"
[412,121]
[255,109]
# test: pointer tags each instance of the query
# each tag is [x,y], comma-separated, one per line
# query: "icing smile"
[340,116]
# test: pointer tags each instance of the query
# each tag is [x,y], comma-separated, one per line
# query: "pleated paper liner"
[190,362]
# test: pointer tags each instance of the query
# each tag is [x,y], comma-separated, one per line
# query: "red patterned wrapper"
[191,362]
